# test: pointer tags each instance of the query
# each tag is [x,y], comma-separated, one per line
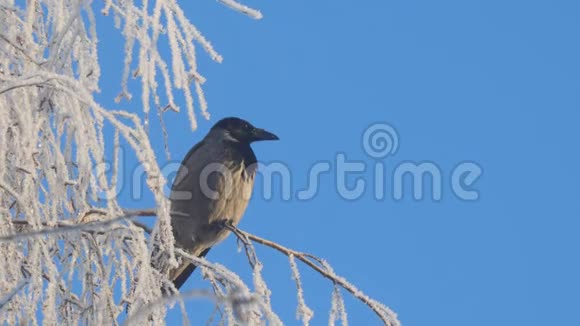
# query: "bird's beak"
[261,134]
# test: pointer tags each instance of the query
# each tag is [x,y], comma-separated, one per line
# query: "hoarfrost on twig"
[302,311]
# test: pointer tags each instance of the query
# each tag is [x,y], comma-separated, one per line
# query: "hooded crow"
[213,186]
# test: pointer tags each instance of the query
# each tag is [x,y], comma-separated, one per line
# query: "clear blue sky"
[494,82]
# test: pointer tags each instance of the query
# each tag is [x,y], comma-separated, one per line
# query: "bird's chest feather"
[240,185]
[231,206]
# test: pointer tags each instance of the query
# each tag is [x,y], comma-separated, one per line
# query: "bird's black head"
[243,131]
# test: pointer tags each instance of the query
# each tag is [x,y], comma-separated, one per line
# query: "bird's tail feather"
[182,273]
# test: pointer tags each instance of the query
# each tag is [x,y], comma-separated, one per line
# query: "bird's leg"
[224,223]
[243,239]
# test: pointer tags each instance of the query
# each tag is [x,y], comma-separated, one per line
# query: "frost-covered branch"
[317,264]
[324,269]
[140,314]
[85,225]
[73,255]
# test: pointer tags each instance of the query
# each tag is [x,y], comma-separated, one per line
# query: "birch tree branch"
[387,316]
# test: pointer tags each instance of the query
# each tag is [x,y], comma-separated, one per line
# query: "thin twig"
[4,300]
[21,50]
[134,317]
[64,227]
[248,247]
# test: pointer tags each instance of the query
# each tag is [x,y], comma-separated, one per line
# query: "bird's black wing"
[181,278]
[181,174]
[182,169]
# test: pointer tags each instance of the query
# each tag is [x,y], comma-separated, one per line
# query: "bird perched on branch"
[213,187]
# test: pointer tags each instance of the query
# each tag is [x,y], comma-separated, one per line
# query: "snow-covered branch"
[319,265]
[73,255]
[324,269]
